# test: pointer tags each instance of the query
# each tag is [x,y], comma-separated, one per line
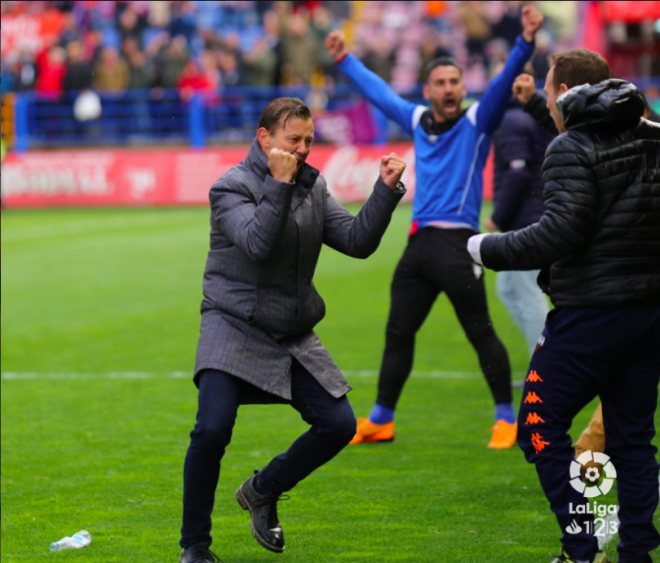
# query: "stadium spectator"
[380,58]
[192,80]
[78,75]
[172,59]
[261,64]
[183,21]
[597,244]
[51,66]
[434,46]
[265,350]
[508,25]
[141,71]
[519,146]
[544,48]
[131,24]
[300,51]
[450,156]
[71,31]
[111,73]
[322,22]
[231,74]
[474,17]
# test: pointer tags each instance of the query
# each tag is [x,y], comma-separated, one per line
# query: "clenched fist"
[391,169]
[335,43]
[531,22]
[524,87]
[282,165]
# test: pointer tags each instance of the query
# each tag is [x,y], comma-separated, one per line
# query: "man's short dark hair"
[578,66]
[280,110]
[440,61]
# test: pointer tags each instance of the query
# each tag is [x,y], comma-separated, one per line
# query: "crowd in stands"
[114,46]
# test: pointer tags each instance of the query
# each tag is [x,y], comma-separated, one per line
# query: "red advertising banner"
[631,12]
[29,32]
[129,177]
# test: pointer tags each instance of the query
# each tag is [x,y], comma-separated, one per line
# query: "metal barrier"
[163,117]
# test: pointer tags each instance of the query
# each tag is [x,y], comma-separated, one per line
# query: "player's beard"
[440,108]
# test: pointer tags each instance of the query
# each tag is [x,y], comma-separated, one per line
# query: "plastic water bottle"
[78,540]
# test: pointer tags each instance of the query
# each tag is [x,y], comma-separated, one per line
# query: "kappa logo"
[599,481]
[538,442]
[533,418]
[532,398]
[534,377]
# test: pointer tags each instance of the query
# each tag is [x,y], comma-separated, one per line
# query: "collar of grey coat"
[306,178]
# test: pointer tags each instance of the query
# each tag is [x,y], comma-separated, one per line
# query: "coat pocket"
[230,287]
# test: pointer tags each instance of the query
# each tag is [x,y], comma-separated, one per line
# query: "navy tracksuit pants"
[613,353]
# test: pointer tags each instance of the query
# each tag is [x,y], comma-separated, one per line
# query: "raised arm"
[370,85]
[535,104]
[256,227]
[359,236]
[496,98]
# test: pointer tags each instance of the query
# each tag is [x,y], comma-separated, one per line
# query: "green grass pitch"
[99,325]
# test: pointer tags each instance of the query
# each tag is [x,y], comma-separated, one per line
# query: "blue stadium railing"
[162,117]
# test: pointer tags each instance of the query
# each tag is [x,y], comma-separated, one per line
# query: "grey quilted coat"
[260,305]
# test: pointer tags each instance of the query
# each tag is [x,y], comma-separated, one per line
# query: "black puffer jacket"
[598,241]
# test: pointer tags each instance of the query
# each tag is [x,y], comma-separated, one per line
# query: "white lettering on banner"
[21,32]
[350,176]
[141,181]
[53,176]
[335,128]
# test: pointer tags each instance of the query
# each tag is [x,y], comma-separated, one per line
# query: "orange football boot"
[367,431]
[504,435]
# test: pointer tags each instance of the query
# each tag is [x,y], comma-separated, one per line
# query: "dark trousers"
[220,394]
[434,261]
[613,353]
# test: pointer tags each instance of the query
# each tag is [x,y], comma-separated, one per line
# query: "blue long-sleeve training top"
[449,165]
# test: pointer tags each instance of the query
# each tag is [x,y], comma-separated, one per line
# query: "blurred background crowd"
[51,48]
[114,46]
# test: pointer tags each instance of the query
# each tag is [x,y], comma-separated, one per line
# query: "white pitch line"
[32,375]
[430,374]
[27,375]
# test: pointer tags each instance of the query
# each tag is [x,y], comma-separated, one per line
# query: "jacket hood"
[611,102]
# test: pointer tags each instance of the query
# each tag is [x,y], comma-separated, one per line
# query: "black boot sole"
[242,501]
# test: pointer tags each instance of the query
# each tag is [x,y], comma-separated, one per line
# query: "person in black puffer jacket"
[598,246]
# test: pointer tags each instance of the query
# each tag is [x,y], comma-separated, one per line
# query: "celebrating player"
[451,147]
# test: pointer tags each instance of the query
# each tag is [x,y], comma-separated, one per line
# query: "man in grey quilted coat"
[270,215]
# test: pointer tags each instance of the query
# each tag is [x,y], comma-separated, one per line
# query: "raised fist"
[531,22]
[391,169]
[282,164]
[335,43]
[524,87]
